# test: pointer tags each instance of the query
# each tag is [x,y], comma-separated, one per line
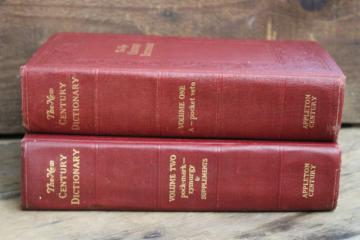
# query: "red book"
[107,84]
[83,172]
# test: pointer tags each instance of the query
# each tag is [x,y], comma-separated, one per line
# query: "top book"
[109,84]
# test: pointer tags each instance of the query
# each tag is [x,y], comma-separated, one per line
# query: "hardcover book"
[108,84]
[113,173]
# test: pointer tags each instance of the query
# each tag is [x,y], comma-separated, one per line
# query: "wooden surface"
[343,223]
[26,24]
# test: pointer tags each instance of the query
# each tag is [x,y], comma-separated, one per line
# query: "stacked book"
[122,122]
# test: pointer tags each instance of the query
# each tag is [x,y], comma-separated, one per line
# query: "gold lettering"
[121,48]
[63,177]
[135,49]
[50,99]
[50,176]
[181,115]
[204,176]
[192,171]
[75,200]
[308,188]
[62,104]
[181,110]
[183,180]
[182,92]
[172,178]
[192,109]
[172,164]
[192,106]
[188,179]
[75,103]
[187,100]
[310,106]
[172,187]
[148,50]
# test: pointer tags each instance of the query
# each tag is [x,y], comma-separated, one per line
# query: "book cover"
[108,84]
[113,173]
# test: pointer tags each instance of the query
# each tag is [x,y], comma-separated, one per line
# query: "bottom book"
[108,173]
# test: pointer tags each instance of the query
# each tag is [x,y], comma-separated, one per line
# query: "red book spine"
[90,84]
[79,172]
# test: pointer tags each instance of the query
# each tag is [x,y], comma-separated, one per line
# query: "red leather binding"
[107,84]
[210,175]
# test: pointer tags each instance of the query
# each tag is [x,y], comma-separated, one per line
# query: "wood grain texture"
[26,24]
[343,223]
[10,169]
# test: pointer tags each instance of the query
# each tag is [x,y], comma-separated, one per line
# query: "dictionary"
[125,85]
[69,172]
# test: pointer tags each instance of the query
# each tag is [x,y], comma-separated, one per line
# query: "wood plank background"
[343,223]
[26,24]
